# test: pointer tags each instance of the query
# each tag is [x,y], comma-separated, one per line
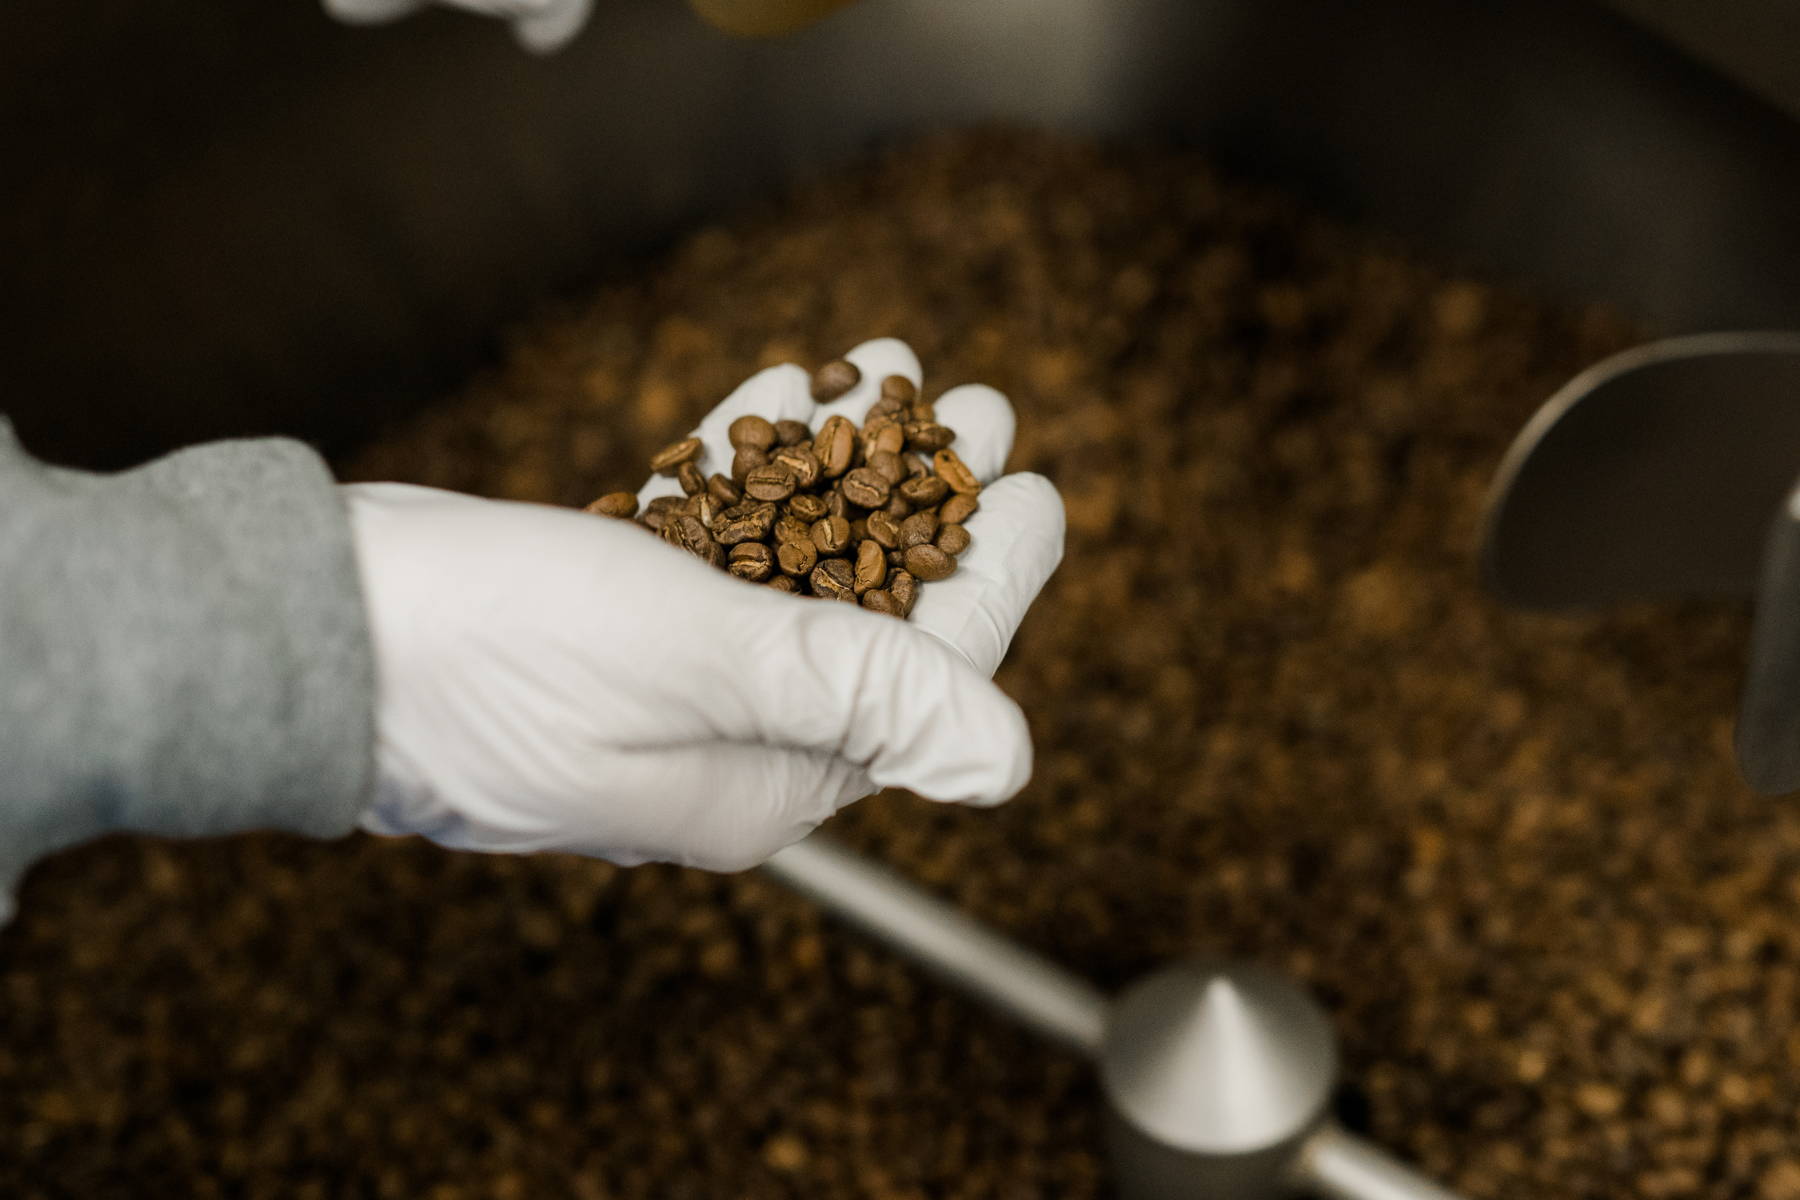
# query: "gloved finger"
[553,27]
[1015,543]
[888,698]
[775,393]
[371,12]
[984,425]
[876,360]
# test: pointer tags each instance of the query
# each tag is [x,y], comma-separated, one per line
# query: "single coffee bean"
[747,522]
[789,528]
[863,486]
[834,379]
[806,506]
[925,490]
[745,461]
[834,579]
[704,507]
[899,389]
[884,436]
[831,535]
[691,478]
[882,601]
[898,507]
[653,521]
[835,504]
[797,558]
[802,462]
[888,466]
[927,436]
[929,564]
[670,457]
[615,504]
[904,589]
[958,509]
[688,533]
[915,465]
[859,529]
[751,560]
[884,530]
[887,406]
[918,530]
[792,433]
[784,583]
[666,505]
[952,539]
[922,410]
[753,431]
[725,491]
[954,471]
[871,567]
[835,446]
[771,481]
[896,558]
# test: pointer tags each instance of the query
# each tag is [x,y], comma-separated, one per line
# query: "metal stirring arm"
[1218,1076]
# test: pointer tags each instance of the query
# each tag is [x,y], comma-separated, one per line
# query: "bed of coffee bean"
[863,516]
[1275,716]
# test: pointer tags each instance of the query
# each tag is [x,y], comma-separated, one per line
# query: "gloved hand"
[554,680]
[540,25]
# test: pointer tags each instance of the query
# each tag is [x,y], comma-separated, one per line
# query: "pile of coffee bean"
[862,516]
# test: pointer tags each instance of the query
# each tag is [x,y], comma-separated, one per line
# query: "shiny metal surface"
[1655,473]
[946,941]
[1337,1165]
[246,219]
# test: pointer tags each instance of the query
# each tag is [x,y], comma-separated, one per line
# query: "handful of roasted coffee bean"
[858,515]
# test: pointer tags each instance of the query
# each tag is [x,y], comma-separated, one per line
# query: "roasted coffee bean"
[747,522]
[752,431]
[929,564]
[704,507]
[898,507]
[670,457]
[958,509]
[789,528]
[834,379]
[835,446]
[952,539]
[751,560]
[865,487]
[885,436]
[871,566]
[924,490]
[771,481]
[904,589]
[859,529]
[725,491]
[834,579]
[797,558]
[835,504]
[792,433]
[927,436]
[831,535]
[954,471]
[802,462]
[615,504]
[807,507]
[884,529]
[896,558]
[918,530]
[745,461]
[922,410]
[887,465]
[887,406]
[882,601]
[784,583]
[914,464]
[688,533]
[899,389]
[691,478]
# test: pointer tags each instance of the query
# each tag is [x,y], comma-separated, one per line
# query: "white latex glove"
[540,25]
[554,680]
